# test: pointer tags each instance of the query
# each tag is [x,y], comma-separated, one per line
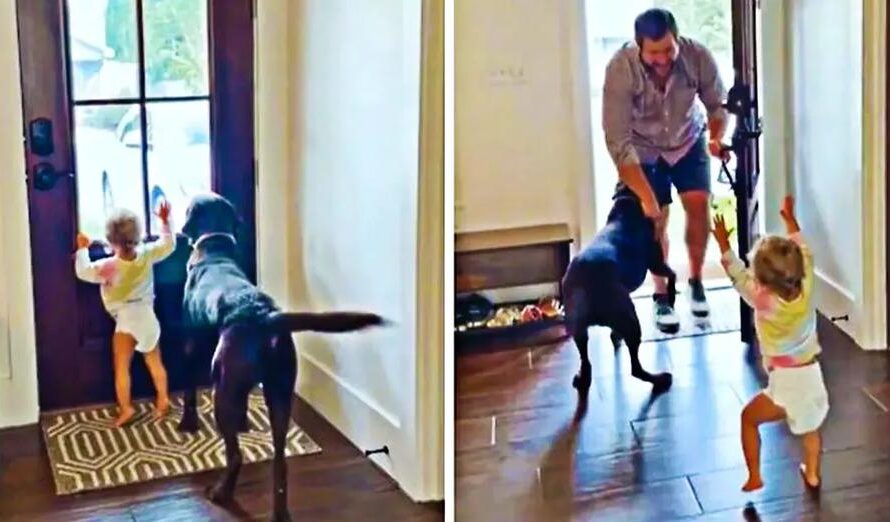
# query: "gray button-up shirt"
[641,123]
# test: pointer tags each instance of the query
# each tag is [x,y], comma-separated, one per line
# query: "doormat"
[724,316]
[86,452]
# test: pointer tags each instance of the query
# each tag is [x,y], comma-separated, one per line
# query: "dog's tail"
[330,322]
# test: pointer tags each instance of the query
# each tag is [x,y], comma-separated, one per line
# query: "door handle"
[44,176]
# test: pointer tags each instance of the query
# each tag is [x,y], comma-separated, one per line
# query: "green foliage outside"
[175,46]
[708,21]
[175,39]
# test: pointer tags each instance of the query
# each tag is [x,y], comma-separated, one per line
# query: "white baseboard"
[835,301]
[358,417]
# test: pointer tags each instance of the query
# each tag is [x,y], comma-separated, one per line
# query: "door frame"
[877,33]
[233,149]
[748,167]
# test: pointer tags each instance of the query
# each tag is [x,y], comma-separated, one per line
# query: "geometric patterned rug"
[87,452]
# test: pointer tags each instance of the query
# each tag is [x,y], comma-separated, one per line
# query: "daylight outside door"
[126,103]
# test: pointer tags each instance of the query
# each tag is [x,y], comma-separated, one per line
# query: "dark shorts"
[691,173]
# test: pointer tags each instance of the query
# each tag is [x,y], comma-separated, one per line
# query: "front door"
[743,104]
[126,103]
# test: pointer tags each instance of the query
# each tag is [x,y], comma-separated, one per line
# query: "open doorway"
[609,25]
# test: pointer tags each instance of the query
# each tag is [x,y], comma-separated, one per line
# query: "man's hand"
[716,149]
[632,175]
[164,212]
[651,208]
[82,241]
[721,235]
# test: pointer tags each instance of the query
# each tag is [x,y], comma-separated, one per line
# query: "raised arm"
[86,270]
[161,248]
[734,267]
[792,228]
[617,119]
[739,276]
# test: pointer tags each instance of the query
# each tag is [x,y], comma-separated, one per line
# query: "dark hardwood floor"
[337,484]
[528,450]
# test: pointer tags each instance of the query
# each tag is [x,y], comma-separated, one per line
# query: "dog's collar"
[204,237]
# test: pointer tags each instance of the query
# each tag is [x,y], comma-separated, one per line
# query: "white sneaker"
[698,302]
[666,319]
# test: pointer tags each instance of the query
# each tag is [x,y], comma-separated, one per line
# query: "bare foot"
[126,415]
[810,479]
[162,408]
[753,484]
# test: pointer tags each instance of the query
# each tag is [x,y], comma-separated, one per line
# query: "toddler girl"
[127,289]
[779,287]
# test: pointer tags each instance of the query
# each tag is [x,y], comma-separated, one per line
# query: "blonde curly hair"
[778,265]
[123,229]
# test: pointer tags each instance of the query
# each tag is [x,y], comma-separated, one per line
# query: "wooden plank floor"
[528,450]
[338,484]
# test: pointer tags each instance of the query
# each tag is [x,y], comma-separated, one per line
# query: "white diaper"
[139,320]
[801,392]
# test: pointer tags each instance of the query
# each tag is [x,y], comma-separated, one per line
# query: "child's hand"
[82,241]
[721,235]
[164,211]
[787,213]
[787,210]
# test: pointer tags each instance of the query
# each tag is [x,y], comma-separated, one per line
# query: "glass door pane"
[175,48]
[178,155]
[108,162]
[113,46]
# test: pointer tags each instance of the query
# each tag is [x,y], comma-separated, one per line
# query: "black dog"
[599,280]
[251,340]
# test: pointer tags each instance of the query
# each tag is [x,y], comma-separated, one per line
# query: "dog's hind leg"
[278,385]
[228,402]
[233,379]
[279,406]
[627,324]
[577,322]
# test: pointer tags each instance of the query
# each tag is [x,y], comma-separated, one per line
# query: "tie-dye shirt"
[786,330]
[122,281]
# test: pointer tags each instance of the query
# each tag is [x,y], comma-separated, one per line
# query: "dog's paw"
[188,424]
[219,494]
[581,381]
[662,382]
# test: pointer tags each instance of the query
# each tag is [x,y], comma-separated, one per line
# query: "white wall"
[521,145]
[341,84]
[836,173]
[774,94]
[18,365]
[827,167]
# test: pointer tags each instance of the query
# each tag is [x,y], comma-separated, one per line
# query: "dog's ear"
[189,228]
[234,220]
